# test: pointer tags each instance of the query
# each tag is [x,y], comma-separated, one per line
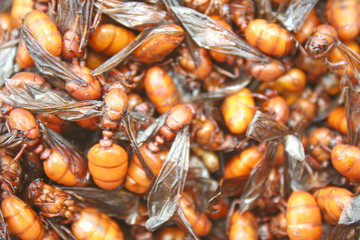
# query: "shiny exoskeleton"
[86,223]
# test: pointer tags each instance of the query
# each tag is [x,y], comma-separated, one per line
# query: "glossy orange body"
[331,201]
[21,219]
[265,72]
[23,58]
[207,132]
[116,102]
[337,120]
[94,59]
[268,37]
[45,31]
[173,233]
[56,169]
[19,9]
[303,217]
[91,123]
[200,72]
[198,220]
[344,16]
[159,46]
[108,165]
[5,22]
[24,121]
[243,163]
[243,226]
[91,91]
[310,23]
[238,111]
[346,160]
[22,79]
[304,108]
[91,224]
[136,179]
[110,39]
[292,81]
[51,235]
[10,169]
[277,108]
[161,90]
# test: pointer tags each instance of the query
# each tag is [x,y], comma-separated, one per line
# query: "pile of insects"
[180,119]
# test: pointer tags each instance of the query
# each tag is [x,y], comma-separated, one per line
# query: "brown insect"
[344,17]
[54,202]
[63,163]
[178,117]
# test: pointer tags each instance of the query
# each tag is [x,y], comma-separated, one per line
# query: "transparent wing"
[136,15]
[74,158]
[164,195]
[207,33]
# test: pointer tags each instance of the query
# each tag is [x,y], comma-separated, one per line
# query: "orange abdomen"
[270,38]
[21,219]
[303,217]
[108,166]
[198,220]
[243,227]
[45,31]
[159,46]
[91,224]
[136,179]
[346,160]
[161,89]
[110,39]
[337,120]
[344,16]
[331,201]
[243,163]
[57,170]
[238,111]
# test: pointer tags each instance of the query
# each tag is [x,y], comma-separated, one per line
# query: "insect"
[63,163]
[23,222]
[19,10]
[344,17]
[263,35]
[238,111]
[161,89]
[178,117]
[320,139]
[344,159]
[242,164]
[310,23]
[278,108]
[337,120]
[243,226]
[265,72]
[331,201]
[105,39]
[171,232]
[303,209]
[84,220]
